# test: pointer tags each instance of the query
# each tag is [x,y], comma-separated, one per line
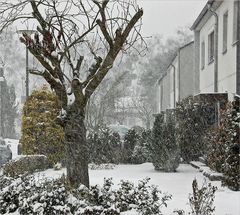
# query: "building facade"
[177,82]
[216,35]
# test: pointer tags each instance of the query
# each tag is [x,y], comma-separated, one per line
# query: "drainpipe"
[238,50]
[174,85]
[161,98]
[160,94]
[179,75]
[1,103]
[215,48]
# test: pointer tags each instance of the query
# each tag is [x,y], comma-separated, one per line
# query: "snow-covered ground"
[13,146]
[178,184]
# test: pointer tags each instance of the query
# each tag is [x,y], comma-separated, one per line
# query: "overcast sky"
[165,16]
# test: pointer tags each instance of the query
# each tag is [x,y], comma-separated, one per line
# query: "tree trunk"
[76,148]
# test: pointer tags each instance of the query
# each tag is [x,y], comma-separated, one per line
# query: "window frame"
[225,33]
[203,55]
[211,48]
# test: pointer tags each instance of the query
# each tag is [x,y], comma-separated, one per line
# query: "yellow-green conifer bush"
[40,132]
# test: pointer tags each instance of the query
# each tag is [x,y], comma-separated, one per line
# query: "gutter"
[202,14]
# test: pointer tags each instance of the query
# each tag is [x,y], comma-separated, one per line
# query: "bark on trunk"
[76,148]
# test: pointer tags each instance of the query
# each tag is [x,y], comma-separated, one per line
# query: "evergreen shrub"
[131,139]
[164,149]
[141,152]
[41,134]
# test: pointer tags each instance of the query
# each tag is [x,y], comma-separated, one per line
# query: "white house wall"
[227,61]
[164,93]
[186,64]
[183,65]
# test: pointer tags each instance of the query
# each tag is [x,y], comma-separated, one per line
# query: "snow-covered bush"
[144,198]
[202,198]
[193,119]
[25,164]
[5,181]
[141,152]
[164,150]
[40,132]
[104,146]
[29,195]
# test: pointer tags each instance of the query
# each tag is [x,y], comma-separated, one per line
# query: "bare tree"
[144,110]
[64,29]
[102,104]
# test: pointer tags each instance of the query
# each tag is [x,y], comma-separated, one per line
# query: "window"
[202,55]
[225,32]
[235,17]
[211,47]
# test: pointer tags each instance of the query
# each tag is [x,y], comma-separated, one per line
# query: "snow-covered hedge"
[224,146]
[104,146]
[135,148]
[27,195]
[25,164]
[103,166]
[193,118]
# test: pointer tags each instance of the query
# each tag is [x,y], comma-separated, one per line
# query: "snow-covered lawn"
[178,184]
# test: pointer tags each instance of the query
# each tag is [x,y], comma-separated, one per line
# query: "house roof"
[171,62]
[202,14]
[176,54]
[205,14]
[182,47]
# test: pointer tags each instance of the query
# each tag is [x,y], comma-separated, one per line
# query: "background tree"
[101,107]
[9,108]
[64,28]
[145,110]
